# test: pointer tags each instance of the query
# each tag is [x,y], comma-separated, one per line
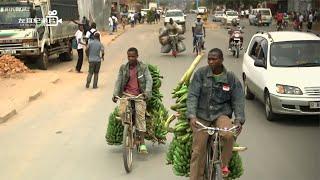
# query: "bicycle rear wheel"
[127,148]
[208,171]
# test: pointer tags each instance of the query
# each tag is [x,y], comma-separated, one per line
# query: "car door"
[248,63]
[259,79]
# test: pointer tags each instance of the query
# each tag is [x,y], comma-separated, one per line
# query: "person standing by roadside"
[310,20]
[81,46]
[90,33]
[86,25]
[93,50]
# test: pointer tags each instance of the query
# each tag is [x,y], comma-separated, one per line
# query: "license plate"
[236,39]
[314,105]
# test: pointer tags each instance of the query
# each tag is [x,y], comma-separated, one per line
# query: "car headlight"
[285,89]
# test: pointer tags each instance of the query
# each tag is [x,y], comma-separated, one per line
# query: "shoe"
[79,71]
[241,48]
[143,149]
[95,87]
[225,171]
[87,85]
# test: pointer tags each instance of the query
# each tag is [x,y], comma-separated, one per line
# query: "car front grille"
[312,91]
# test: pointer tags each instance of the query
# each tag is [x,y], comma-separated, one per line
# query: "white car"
[177,16]
[218,15]
[281,69]
[229,16]
[202,10]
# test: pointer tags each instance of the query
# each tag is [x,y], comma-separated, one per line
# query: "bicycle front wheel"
[127,148]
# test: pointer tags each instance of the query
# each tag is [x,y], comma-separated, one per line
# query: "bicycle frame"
[214,150]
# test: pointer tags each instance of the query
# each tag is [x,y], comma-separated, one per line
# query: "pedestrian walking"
[310,21]
[110,25]
[115,23]
[301,18]
[124,21]
[93,50]
[80,46]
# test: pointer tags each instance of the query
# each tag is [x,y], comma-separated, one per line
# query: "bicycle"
[130,135]
[199,44]
[174,43]
[213,161]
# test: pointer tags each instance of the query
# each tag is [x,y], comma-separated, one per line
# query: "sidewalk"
[17,93]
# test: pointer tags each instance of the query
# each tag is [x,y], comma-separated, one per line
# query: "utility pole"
[146,4]
[197,3]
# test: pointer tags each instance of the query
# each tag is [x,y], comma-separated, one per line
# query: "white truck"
[37,29]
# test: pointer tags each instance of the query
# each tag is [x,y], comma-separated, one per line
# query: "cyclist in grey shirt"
[93,50]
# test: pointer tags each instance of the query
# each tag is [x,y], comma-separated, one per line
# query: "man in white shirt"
[90,33]
[310,20]
[115,23]
[110,25]
[81,46]
[301,21]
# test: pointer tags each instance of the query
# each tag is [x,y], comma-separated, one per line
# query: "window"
[38,12]
[253,46]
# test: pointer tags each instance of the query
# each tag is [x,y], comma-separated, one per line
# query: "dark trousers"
[80,59]
[94,68]
[309,25]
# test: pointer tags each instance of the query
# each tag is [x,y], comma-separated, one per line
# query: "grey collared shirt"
[208,99]
[95,48]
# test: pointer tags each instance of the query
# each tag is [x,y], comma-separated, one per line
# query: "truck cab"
[30,33]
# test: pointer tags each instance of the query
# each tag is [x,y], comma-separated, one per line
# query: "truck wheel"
[43,60]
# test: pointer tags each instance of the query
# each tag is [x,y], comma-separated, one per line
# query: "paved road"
[61,135]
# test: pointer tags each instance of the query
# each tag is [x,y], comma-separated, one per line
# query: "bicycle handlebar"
[212,130]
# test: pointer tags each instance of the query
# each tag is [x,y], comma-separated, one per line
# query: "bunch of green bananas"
[156,131]
[235,166]
[179,153]
[155,119]
[115,129]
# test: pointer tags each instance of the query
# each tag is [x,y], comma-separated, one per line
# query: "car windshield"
[14,17]
[219,13]
[232,14]
[265,12]
[174,14]
[295,54]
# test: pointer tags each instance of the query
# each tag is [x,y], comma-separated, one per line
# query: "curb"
[35,95]
[7,115]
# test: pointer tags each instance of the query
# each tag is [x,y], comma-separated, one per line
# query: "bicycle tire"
[127,149]
[238,51]
[208,169]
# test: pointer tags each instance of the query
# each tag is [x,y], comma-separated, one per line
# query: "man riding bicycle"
[214,95]
[134,78]
[198,29]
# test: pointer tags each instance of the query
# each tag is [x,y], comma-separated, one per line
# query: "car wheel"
[248,94]
[268,107]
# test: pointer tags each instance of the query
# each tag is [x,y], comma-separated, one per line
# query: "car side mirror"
[259,63]
[185,15]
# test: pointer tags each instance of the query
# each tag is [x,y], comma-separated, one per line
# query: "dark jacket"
[208,99]
[144,79]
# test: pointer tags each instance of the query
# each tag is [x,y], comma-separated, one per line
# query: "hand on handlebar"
[193,123]
[114,99]
[239,127]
